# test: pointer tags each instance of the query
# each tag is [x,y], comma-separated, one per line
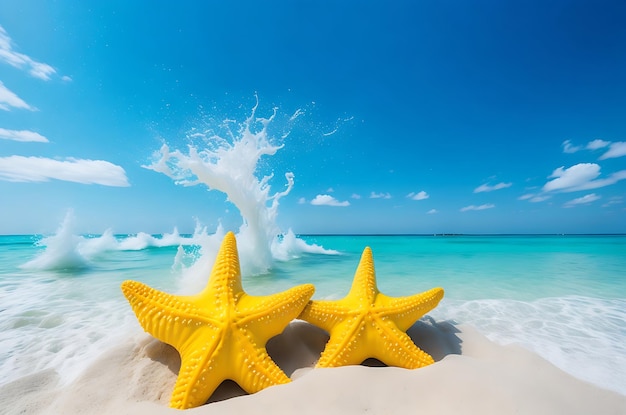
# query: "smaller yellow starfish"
[220,333]
[368,324]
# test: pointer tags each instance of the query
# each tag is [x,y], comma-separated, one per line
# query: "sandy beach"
[471,375]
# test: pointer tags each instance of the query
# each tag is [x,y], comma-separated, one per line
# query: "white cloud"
[569,148]
[327,200]
[66,78]
[302,201]
[21,61]
[41,70]
[582,200]
[40,169]
[572,177]
[616,200]
[330,190]
[539,198]
[8,99]
[582,176]
[534,198]
[617,149]
[418,196]
[375,195]
[22,135]
[432,211]
[355,196]
[487,188]
[597,143]
[481,207]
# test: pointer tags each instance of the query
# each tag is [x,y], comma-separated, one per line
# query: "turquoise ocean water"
[563,297]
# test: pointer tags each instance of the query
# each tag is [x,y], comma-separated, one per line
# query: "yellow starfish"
[368,324]
[221,332]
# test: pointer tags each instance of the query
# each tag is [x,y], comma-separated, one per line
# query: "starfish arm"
[324,314]
[405,311]
[169,318]
[257,371]
[224,283]
[269,315]
[196,380]
[364,282]
[397,348]
[343,347]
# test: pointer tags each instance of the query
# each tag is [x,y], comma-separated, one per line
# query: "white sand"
[471,375]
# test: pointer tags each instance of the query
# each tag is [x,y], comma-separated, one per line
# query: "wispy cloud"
[487,188]
[22,135]
[40,169]
[568,147]
[615,200]
[597,144]
[592,197]
[355,196]
[327,200]
[432,211]
[615,149]
[9,99]
[534,197]
[481,207]
[582,176]
[21,61]
[418,196]
[375,195]
[540,198]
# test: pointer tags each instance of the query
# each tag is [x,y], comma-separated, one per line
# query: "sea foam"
[583,336]
[228,162]
[62,250]
[67,251]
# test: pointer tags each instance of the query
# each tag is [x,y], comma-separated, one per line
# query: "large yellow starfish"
[368,324]
[221,332]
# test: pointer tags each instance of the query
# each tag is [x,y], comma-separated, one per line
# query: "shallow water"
[563,297]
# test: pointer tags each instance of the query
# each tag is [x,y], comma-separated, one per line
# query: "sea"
[61,307]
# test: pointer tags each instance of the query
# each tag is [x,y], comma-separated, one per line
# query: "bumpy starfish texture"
[368,324]
[221,332]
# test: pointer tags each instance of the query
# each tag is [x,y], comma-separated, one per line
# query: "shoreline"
[471,374]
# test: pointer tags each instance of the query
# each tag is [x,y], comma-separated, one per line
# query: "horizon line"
[444,234]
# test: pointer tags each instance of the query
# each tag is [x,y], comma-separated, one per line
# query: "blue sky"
[419,116]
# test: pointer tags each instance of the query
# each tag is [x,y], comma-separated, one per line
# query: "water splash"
[61,251]
[67,251]
[229,163]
